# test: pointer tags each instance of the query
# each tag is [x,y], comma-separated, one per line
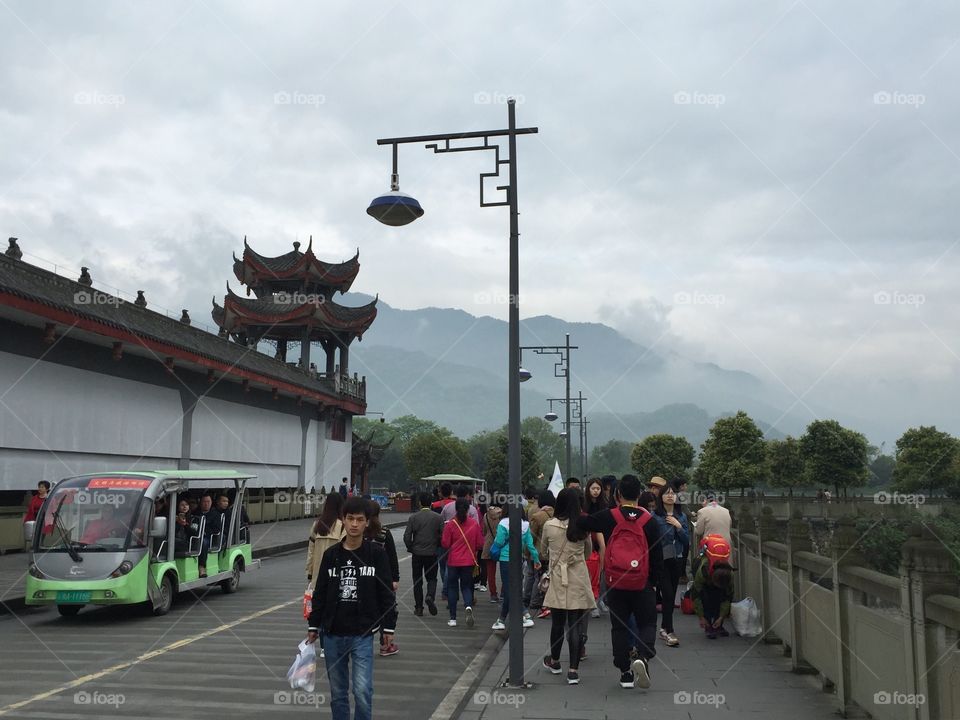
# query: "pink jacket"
[462,554]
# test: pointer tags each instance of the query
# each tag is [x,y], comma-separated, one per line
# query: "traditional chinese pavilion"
[292,302]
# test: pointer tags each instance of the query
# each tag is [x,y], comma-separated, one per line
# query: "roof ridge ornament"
[14,250]
[185,317]
[85,278]
[141,301]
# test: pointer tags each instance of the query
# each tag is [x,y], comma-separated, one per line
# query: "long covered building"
[91,382]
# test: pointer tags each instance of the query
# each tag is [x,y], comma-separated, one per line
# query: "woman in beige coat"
[570,596]
[327,531]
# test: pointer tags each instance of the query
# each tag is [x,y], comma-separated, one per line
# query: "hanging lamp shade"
[525,374]
[395,208]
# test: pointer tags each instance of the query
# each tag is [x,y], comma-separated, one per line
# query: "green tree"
[497,475]
[390,472]
[612,458]
[480,445]
[550,447]
[435,452]
[669,456]
[881,471]
[926,460]
[833,455]
[733,455]
[785,464]
[407,427]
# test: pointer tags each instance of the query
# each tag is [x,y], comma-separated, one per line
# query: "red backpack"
[627,558]
[716,550]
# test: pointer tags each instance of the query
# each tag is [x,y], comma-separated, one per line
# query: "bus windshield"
[95,514]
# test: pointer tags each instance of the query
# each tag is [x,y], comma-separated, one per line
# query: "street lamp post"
[574,410]
[396,208]
[560,369]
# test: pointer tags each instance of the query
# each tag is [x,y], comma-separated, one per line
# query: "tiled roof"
[291,309]
[36,285]
[254,269]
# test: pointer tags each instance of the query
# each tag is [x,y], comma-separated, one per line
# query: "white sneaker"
[320,654]
[527,621]
[642,675]
[469,612]
[498,625]
[451,623]
[595,613]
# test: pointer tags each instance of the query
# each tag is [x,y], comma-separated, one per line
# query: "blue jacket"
[669,534]
[501,545]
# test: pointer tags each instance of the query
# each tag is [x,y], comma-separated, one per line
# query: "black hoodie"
[353,594]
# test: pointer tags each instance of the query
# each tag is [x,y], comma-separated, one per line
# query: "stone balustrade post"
[845,552]
[798,540]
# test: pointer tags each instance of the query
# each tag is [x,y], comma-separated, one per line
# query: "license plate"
[73,596]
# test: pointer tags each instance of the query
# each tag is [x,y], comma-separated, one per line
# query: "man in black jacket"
[352,600]
[641,604]
[422,538]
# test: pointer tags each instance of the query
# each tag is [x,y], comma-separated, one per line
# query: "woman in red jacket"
[462,538]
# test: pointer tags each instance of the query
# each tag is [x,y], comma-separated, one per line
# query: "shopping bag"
[745,616]
[307,602]
[302,674]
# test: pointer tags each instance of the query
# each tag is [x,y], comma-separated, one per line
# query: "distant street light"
[525,374]
[550,416]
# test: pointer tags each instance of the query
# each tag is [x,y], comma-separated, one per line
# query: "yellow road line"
[146,656]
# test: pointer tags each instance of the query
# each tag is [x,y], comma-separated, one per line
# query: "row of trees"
[735,456]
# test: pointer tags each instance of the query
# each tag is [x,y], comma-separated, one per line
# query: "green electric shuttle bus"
[118,538]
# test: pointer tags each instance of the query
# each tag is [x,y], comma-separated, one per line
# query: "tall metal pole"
[567,404]
[515,625]
[583,439]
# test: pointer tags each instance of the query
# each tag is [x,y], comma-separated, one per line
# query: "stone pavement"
[701,679]
[266,539]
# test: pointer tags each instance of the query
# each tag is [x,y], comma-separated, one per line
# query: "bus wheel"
[68,610]
[166,596]
[230,585]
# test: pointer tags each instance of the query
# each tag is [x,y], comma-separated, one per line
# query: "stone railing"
[887,645]
[354,387]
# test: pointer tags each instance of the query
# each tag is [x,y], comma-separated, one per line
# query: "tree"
[548,444]
[480,445]
[785,464]
[733,455]
[669,456]
[435,452]
[611,458]
[407,427]
[497,476]
[881,471]
[833,455]
[390,472]
[926,459]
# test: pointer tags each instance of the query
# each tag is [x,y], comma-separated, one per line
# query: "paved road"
[213,655]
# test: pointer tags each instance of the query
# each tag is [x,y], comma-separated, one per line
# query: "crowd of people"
[616,547]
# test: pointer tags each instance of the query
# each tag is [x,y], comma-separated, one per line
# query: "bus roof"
[176,474]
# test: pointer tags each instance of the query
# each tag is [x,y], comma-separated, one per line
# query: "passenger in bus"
[192,502]
[108,525]
[223,505]
[186,527]
[212,519]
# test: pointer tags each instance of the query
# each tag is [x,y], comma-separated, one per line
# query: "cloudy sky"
[769,186]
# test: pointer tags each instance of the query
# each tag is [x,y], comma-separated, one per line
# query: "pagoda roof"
[285,311]
[254,269]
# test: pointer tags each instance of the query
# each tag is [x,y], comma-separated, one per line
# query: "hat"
[658,481]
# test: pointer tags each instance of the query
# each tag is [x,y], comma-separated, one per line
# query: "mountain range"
[449,366]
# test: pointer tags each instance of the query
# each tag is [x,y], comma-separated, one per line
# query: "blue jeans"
[459,579]
[350,658]
[504,590]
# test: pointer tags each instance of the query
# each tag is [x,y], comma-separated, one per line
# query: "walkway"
[725,678]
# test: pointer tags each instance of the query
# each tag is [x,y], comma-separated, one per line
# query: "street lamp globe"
[550,417]
[524,374]
[563,434]
[395,208]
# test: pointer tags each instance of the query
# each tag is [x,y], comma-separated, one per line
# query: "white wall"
[57,421]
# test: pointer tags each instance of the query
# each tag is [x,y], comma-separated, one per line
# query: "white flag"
[556,482]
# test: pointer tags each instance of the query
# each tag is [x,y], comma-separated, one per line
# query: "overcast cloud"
[769,186]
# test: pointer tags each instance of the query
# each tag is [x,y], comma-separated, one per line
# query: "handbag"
[544,583]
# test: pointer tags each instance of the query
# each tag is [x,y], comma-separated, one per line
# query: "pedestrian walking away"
[569,594]
[633,559]
[531,593]
[500,550]
[422,540]
[382,537]
[461,538]
[352,600]
[490,521]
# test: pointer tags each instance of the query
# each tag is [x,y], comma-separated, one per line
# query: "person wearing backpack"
[712,595]
[632,563]
[491,518]
[383,538]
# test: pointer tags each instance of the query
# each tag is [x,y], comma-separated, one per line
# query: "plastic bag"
[307,602]
[745,616]
[302,674]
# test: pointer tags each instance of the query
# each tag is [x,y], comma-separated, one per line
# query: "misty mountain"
[450,366]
